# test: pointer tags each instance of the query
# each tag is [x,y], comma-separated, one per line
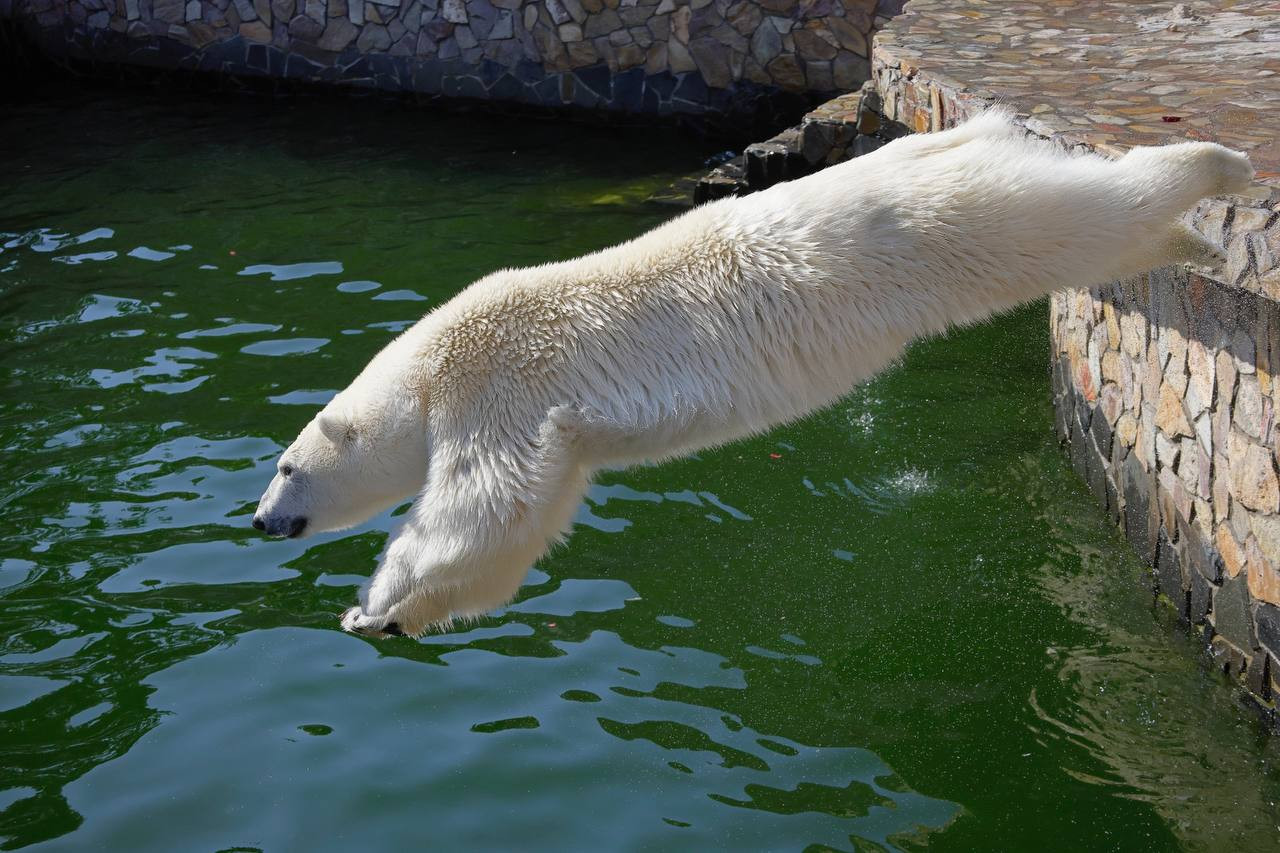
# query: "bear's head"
[359,456]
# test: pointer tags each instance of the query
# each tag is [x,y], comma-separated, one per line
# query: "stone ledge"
[1108,76]
[1163,385]
[847,126]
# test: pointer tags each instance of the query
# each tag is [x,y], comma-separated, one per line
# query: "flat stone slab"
[1109,76]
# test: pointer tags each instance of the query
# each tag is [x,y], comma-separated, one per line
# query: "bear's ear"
[334,427]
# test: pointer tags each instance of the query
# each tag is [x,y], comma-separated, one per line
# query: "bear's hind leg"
[1187,245]
[1172,178]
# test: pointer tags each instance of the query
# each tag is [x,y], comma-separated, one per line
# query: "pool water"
[900,623]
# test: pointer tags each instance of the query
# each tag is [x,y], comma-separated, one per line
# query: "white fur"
[737,316]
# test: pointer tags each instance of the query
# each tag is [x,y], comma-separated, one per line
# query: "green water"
[901,623]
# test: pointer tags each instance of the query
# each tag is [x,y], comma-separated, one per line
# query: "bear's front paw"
[355,622]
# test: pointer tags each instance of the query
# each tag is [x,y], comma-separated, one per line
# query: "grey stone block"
[1267,620]
[1137,486]
[1201,598]
[1231,617]
[1168,572]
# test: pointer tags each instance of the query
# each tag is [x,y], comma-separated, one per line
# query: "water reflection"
[834,635]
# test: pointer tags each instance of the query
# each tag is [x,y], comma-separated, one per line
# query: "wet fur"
[735,317]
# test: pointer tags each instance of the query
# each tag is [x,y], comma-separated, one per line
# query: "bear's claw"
[355,622]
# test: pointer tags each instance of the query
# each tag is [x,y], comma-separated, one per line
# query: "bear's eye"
[286,470]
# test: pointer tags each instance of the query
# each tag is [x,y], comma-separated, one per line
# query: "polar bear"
[496,408]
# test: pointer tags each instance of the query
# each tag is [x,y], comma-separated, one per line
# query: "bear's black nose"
[259,524]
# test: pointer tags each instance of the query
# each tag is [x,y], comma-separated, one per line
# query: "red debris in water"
[1171,119]
[775,455]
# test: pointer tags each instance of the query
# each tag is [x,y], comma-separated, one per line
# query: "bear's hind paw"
[1187,245]
[355,622]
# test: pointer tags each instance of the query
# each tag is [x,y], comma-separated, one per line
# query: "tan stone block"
[786,73]
[1226,375]
[1151,376]
[629,56]
[1221,488]
[1201,375]
[679,58]
[1172,347]
[1189,467]
[1112,366]
[1133,333]
[1170,417]
[655,61]
[1113,325]
[851,38]
[1253,475]
[811,45]
[1264,579]
[1233,557]
[1172,488]
[1111,402]
[1175,376]
[1266,531]
[1127,430]
[1084,375]
[744,16]
[1097,347]
[1131,384]
[680,24]
[256,31]
[1247,410]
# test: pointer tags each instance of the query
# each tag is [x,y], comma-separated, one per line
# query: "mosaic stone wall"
[1164,391]
[759,58]
[1164,386]
[847,126]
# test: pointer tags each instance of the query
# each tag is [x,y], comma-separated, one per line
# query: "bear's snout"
[275,526]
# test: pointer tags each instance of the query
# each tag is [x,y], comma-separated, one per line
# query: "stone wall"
[847,126]
[760,59]
[1164,386]
[1163,389]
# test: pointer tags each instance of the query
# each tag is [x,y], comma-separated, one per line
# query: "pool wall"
[1164,385]
[758,60]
